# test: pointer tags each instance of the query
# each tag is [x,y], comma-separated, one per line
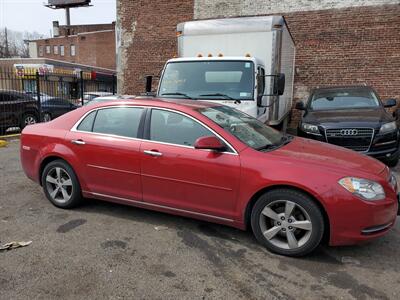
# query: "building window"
[62,50]
[48,49]
[72,50]
[40,50]
[55,50]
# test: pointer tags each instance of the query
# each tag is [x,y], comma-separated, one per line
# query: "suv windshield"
[246,128]
[343,99]
[217,80]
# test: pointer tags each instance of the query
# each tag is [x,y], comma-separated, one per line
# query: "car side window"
[122,121]
[174,128]
[87,123]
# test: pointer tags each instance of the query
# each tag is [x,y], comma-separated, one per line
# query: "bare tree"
[15,43]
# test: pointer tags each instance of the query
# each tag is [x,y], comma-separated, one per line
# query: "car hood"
[338,159]
[354,116]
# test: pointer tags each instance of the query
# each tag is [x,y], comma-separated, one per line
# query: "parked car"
[352,117]
[215,163]
[43,96]
[98,100]
[89,96]
[17,110]
[54,107]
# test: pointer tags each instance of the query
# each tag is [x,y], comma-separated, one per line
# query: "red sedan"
[214,163]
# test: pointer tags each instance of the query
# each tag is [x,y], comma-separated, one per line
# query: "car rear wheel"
[287,222]
[29,119]
[46,117]
[60,185]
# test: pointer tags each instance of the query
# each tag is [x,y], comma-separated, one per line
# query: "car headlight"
[364,188]
[388,127]
[309,128]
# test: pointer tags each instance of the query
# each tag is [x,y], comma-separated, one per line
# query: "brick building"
[92,45]
[338,42]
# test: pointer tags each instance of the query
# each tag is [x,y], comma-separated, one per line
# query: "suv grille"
[358,139]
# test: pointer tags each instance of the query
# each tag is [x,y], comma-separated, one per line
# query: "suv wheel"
[287,222]
[61,185]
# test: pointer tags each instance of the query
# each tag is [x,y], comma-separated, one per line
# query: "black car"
[54,107]
[351,117]
[17,110]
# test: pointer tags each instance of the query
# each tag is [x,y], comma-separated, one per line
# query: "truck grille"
[357,139]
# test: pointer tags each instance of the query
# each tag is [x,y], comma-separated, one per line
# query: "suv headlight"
[388,127]
[310,128]
[364,188]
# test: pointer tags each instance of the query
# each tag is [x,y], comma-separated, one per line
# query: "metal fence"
[31,96]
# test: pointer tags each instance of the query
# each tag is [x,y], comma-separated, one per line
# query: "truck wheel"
[61,185]
[287,222]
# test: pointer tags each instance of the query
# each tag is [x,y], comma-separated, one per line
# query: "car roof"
[165,103]
[344,87]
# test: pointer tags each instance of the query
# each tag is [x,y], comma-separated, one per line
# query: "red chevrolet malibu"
[214,163]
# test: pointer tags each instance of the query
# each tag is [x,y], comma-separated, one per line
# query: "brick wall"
[94,49]
[336,46]
[148,39]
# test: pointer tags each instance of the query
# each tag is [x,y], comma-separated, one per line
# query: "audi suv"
[354,118]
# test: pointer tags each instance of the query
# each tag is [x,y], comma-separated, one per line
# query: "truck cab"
[246,63]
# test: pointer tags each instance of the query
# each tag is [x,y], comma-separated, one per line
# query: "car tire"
[60,185]
[295,236]
[28,119]
[46,117]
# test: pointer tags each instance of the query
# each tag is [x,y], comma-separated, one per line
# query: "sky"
[32,15]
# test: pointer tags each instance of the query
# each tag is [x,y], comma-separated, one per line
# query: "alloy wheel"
[59,185]
[46,117]
[285,224]
[29,120]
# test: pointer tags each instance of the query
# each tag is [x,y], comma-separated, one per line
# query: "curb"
[9,136]
[3,143]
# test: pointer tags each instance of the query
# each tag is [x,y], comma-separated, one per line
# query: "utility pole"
[7,51]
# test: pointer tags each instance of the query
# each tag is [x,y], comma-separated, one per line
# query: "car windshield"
[217,80]
[343,99]
[244,127]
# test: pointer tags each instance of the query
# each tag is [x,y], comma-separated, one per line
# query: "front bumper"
[355,220]
[379,149]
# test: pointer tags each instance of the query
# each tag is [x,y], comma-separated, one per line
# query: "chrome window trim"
[75,128]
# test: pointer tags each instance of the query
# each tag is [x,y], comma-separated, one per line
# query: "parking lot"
[105,250]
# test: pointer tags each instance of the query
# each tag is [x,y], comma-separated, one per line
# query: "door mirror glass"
[210,143]
[390,103]
[300,105]
[279,84]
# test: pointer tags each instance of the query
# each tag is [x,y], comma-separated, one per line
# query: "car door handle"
[78,142]
[152,153]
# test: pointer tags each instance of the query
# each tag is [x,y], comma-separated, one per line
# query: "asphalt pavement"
[109,251]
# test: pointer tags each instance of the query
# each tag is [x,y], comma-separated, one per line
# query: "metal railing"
[31,96]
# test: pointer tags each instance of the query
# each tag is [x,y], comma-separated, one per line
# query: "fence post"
[39,103]
[113,83]
[82,83]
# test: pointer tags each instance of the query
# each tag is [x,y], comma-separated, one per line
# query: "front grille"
[357,139]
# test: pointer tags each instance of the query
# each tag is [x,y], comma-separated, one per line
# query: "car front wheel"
[29,119]
[61,185]
[287,222]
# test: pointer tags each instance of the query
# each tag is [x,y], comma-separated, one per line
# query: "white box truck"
[246,63]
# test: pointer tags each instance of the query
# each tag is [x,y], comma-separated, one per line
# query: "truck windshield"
[244,127]
[216,80]
[344,99]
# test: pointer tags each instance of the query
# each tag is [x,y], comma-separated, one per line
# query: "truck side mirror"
[279,84]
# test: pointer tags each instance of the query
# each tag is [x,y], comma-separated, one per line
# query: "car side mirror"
[390,103]
[210,143]
[279,84]
[300,105]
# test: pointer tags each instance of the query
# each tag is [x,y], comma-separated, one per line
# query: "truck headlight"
[388,127]
[310,128]
[364,188]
